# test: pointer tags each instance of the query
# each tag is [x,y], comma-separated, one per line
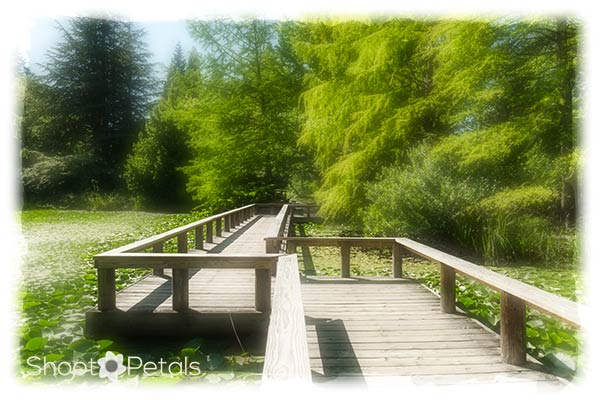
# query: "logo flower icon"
[111,366]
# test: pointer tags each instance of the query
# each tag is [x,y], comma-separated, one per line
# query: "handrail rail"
[557,306]
[185,260]
[515,295]
[286,353]
[161,237]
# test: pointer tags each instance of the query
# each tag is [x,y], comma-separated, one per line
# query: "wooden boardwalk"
[367,329]
[357,329]
[210,289]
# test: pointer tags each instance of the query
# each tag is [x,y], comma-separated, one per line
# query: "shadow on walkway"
[334,344]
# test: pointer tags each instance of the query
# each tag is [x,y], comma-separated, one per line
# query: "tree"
[366,103]
[177,66]
[244,126]
[153,169]
[460,131]
[96,90]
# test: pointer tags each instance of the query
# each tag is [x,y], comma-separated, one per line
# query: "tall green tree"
[95,90]
[154,168]
[366,103]
[446,130]
[244,126]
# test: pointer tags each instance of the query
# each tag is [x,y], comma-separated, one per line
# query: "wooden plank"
[209,232]
[413,345]
[199,238]
[106,289]
[185,260]
[557,306]
[262,292]
[227,223]
[286,354]
[345,260]
[396,260]
[218,226]
[315,352]
[513,341]
[380,242]
[410,370]
[447,289]
[414,361]
[180,290]
[158,248]
[182,243]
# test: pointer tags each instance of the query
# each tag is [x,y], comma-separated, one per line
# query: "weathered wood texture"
[552,304]
[353,327]
[158,248]
[161,237]
[226,280]
[513,341]
[447,289]
[286,355]
[106,289]
[356,331]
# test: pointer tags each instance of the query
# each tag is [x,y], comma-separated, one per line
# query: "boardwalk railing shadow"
[330,351]
[234,236]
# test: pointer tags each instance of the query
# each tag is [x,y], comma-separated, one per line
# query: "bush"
[429,200]
[46,177]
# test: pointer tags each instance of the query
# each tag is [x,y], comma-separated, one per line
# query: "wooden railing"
[131,256]
[286,354]
[515,295]
[222,222]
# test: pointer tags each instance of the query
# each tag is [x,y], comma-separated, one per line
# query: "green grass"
[554,343]
[58,284]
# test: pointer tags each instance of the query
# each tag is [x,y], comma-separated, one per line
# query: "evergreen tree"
[100,85]
[153,169]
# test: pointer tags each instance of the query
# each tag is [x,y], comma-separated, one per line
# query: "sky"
[161,38]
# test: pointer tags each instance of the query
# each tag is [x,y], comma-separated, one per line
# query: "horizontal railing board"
[337,241]
[559,307]
[185,260]
[161,237]
[286,354]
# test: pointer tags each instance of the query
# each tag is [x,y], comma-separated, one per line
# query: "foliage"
[431,128]
[153,169]
[243,125]
[59,285]
[87,105]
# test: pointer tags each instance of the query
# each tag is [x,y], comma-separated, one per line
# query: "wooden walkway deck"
[367,329]
[358,329]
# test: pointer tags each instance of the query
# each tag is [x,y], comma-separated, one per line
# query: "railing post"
[182,243]
[158,248]
[227,223]
[180,289]
[272,246]
[233,220]
[262,291]
[397,260]
[218,226]
[307,211]
[513,341]
[447,289]
[199,238]
[345,253]
[107,296]
[209,232]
